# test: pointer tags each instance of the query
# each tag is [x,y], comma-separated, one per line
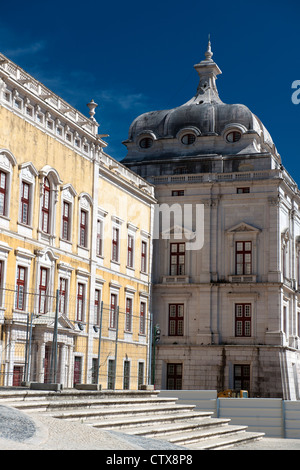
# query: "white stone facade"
[229,313]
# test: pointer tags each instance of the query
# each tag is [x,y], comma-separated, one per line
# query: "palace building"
[75,246]
[228,308]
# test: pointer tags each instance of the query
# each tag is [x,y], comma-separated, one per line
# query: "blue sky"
[132,57]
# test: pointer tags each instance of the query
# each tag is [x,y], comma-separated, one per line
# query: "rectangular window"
[111,374]
[179,192]
[99,240]
[83,228]
[115,245]
[62,306]
[66,221]
[128,315]
[130,251]
[174,376]
[3,189]
[285,319]
[42,290]
[80,301]
[243,320]
[126,376]
[143,318]
[46,206]
[242,190]
[97,307]
[243,251]
[25,203]
[20,288]
[113,311]
[176,318]
[242,377]
[144,257]
[140,374]
[177,259]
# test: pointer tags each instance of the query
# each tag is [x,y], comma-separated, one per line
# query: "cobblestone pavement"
[19,431]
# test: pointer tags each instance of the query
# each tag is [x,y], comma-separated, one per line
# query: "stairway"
[138,413]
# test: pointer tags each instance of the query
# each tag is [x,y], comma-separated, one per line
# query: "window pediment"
[243,227]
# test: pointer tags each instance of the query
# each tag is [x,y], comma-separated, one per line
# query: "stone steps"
[138,413]
[107,412]
[138,424]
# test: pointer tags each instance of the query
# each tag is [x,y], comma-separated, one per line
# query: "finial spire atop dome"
[208,53]
[207,70]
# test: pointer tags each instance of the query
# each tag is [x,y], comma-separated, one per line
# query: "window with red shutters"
[176,317]
[143,318]
[130,251]
[113,311]
[80,301]
[66,221]
[128,315]
[115,245]
[242,319]
[46,206]
[63,295]
[3,192]
[83,228]
[20,288]
[97,306]
[25,201]
[177,259]
[144,257]
[42,290]
[99,239]
[243,253]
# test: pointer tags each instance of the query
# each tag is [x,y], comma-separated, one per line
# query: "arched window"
[233,136]
[188,139]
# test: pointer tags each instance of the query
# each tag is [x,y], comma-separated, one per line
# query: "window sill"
[28,226]
[81,247]
[65,240]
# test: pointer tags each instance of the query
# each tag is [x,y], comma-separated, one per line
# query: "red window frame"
[42,290]
[115,244]
[174,376]
[25,201]
[128,315]
[83,228]
[113,310]
[99,241]
[3,193]
[80,301]
[176,319]
[46,206]
[66,221]
[243,257]
[144,257]
[243,315]
[63,282]
[177,259]
[21,283]
[143,318]
[97,304]
[130,251]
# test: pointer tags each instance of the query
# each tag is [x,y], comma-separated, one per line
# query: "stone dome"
[202,126]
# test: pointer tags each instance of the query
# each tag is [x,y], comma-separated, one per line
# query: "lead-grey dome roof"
[206,117]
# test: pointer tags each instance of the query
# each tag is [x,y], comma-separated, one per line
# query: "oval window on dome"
[188,139]
[146,142]
[233,136]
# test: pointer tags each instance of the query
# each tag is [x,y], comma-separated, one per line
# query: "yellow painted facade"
[75,246]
